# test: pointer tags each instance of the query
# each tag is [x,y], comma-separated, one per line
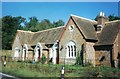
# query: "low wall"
[7,53]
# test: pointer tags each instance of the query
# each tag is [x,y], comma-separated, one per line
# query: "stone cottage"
[97,42]
[108,45]
[31,45]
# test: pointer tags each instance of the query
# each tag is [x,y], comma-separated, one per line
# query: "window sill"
[71,57]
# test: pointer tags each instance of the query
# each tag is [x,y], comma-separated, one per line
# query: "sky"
[59,0]
[58,10]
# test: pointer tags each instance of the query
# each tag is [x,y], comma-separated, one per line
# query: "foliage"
[31,25]
[11,24]
[58,23]
[113,17]
[102,71]
[0,33]
[87,64]
[44,24]
[22,69]
[43,59]
[78,59]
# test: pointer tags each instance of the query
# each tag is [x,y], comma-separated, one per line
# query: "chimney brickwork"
[101,19]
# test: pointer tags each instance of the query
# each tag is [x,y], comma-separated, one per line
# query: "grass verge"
[22,69]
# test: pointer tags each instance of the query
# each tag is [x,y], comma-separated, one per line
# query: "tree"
[58,23]
[9,27]
[44,24]
[112,17]
[31,25]
[0,33]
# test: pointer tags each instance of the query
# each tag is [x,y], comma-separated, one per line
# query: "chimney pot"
[101,19]
[103,14]
[100,13]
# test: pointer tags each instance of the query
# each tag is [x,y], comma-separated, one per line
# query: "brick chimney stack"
[101,19]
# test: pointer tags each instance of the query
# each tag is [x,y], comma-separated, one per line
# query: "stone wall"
[103,58]
[119,41]
[16,43]
[89,53]
[103,55]
[30,55]
[45,52]
[116,51]
[68,36]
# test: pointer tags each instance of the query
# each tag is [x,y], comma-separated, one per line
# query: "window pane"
[72,50]
[75,50]
[69,50]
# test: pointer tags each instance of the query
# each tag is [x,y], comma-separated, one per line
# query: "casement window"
[71,50]
[71,27]
[74,50]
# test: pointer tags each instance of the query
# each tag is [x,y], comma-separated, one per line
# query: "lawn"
[24,69]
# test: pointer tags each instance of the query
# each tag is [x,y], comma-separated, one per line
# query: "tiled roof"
[86,26]
[46,36]
[24,36]
[109,33]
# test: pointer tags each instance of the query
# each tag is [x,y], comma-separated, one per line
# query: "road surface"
[5,76]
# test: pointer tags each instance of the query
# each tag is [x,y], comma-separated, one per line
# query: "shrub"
[19,61]
[78,59]
[43,59]
[88,64]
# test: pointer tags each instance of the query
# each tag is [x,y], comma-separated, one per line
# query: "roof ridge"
[49,29]
[41,30]
[83,18]
[113,21]
[25,31]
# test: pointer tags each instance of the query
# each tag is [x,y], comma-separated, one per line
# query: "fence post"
[62,72]
[64,61]
[4,61]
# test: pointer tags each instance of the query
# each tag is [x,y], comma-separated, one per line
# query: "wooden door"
[57,56]
[24,54]
[39,54]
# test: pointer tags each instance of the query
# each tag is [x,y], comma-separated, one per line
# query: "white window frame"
[71,27]
[71,50]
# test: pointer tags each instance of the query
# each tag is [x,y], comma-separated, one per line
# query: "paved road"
[5,76]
